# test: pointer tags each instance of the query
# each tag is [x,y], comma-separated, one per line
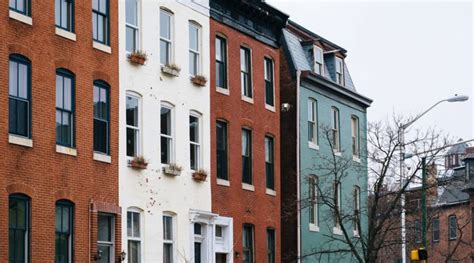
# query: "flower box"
[171,70]
[138,163]
[172,170]
[199,80]
[200,175]
[137,57]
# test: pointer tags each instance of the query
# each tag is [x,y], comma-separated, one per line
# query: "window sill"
[356,233]
[101,47]
[18,140]
[223,91]
[65,34]
[313,228]
[269,107]
[247,99]
[313,146]
[337,231]
[270,192]
[20,17]
[223,182]
[337,153]
[248,187]
[356,159]
[100,157]
[66,150]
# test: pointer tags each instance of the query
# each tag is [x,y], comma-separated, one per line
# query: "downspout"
[298,165]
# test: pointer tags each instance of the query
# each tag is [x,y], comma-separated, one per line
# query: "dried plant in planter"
[172,169]
[137,57]
[171,69]
[138,162]
[199,80]
[200,175]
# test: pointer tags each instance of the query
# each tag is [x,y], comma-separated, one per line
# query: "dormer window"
[339,71]
[318,60]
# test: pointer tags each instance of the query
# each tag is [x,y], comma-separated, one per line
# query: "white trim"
[100,157]
[270,192]
[355,159]
[19,140]
[337,231]
[337,153]
[247,99]
[66,150]
[66,34]
[248,187]
[269,107]
[223,182]
[223,91]
[137,128]
[356,233]
[102,47]
[313,228]
[20,17]
[313,146]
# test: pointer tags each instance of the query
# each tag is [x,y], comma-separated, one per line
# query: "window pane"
[165,150]
[95,24]
[22,81]
[132,139]
[194,129]
[59,91]
[164,52]
[67,94]
[165,22]
[165,121]
[13,78]
[131,12]
[133,251]
[132,111]
[104,228]
[167,228]
[193,37]
[136,224]
[221,147]
[167,253]
[100,136]
[130,39]
[103,6]
[106,254]
[95,4]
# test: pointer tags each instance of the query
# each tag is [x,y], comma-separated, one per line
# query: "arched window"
[133,121]
[167,133]
[132,25]
[19,96]
[355,136]
[166,36]
[335,134]
[269,77]
[169,237]
[19,228]
[101,117]
[65,128]
[134,235]
[64,231]
[194,48]
[312,123]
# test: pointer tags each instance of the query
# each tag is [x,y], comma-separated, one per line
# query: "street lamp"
[402,129]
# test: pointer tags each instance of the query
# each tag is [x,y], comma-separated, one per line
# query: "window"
[313,198]
[221,150]
[64,14]
[355,136]
[269,83]
[221,62]
[245,75]
[134,237]
[271,245]
[105,238]
[133,125]
[435,229]
[198,239]
[453,227]
[269,160]
[21,6]
[64,232]
[194,43]
[247,243]
[318,60]
[101,117]
[65,108]
[246,156]
[100,21]
[18,228]
[219,232]
[195,142]
[168,239]
[356,198]
[335,130]
[132,27]
[165,37]
[313,121]
[19,98]
[166,135]
[337,204]
[339,71]
[417,231]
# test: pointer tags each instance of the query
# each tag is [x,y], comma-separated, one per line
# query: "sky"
[405,55]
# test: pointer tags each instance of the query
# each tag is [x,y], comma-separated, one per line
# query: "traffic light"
[419,254]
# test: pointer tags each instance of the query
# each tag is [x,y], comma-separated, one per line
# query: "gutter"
[298,166]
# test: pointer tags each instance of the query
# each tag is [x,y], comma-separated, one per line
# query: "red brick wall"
[257,208]
[40,172]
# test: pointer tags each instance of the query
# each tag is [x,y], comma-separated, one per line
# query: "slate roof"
[458,149]
[452,193]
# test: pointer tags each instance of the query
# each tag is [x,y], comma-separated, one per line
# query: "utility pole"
[423,201]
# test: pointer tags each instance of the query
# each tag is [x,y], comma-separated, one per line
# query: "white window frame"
[265,76]
[196,52]
[136,239]
[336,129]
[164,11]
[249,73]
[171,136]
[225,62]
[313,197]
[356,210]
[173,235]
[314,122]
[340,71]
[355,130]
[318,65]
[199,141]
[337,194]
[138,128]
[136,27]
[112,234]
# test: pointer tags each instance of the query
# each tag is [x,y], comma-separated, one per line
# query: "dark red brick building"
[58,131]
[245,131]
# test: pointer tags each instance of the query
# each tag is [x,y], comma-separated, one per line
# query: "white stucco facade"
[149,192]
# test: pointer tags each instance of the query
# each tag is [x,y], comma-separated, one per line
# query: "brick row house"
[59,131]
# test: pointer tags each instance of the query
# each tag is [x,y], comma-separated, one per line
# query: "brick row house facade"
[59,131]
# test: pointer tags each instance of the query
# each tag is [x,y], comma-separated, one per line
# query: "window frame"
[246,91]
[71,9]
[223,62]
[450,237]
[70,205]
[27,229]
[270,164]
[339,74]
[337,202]
[313,109]
[226,150]
[111,243]
[27,7]
[249,156]
[106,16]
[435,237]
[313,199]
[138,128]
[271,245]
[356,199]
[169,42]
[198,144]
[135,28]
[336,129]
[269,80]
[197,53]
[103,85]
[132,238]
[251,249]
[355,128]
[318,65]
[170,137]
[19,59]
[64,73]
[171,241]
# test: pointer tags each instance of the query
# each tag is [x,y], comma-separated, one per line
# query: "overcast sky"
[404,55]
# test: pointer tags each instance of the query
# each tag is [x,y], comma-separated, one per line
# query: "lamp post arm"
[406,125]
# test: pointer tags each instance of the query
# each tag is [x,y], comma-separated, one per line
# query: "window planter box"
[172,170]
[171,70]
[138,163]
[199,80]
[138,58]
[200,175]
